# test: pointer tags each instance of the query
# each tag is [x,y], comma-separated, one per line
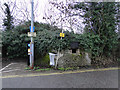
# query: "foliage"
[8,20]
[8,24]
[68,68]
[99,37]
[42,61]
[46,69]
[47,39]
[15,41]
[100,26]
[62,69]
[27,68]
[38,69]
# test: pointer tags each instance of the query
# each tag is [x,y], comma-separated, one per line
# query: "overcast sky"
[21,7]
[39,6]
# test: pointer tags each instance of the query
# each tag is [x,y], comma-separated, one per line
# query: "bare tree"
[62,14]
[20,10]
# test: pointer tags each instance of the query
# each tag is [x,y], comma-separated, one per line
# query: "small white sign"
[52,56]
[32,34]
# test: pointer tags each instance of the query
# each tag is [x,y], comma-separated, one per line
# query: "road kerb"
[59,73]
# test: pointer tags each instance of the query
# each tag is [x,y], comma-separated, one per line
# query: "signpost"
[31,34]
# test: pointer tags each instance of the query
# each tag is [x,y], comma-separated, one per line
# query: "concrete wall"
[69,59]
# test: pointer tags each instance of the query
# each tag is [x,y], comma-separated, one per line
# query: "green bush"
[14,44]
[48,39]
[15,41]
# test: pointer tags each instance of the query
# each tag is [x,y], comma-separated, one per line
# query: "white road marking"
[6,66]
[11,70]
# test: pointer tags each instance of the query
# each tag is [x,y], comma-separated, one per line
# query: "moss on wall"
[43,62]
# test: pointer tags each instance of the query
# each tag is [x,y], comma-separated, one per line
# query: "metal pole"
[61,26]
[32,41]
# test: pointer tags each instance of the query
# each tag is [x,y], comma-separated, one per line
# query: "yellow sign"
[28,50]
[62,35]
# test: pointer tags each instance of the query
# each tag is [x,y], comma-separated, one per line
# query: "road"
[93,79]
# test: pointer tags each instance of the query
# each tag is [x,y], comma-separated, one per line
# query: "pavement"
[12,67]
[17,68]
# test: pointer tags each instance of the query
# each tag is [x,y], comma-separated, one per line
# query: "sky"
[21,9]
[40,4]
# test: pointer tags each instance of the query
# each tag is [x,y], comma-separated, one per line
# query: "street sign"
[28,50]
[33,29]
[29,53]
[62,35]
[32,34]
[28,45]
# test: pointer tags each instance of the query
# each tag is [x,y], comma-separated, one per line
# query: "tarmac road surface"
[93,79]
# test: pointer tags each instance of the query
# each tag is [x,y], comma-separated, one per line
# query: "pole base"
[31,67]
